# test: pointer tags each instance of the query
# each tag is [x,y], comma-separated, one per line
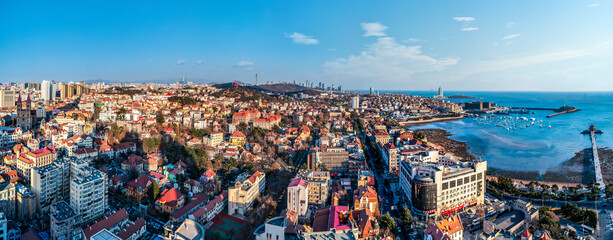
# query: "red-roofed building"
[211,209]
[170,200]
[133,231]
[197,201]
[238,139]
[446,229]
[366,198]
[113,223]
[137,188]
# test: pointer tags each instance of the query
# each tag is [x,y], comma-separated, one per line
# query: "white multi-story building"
[355,102]
[50,183]
[45,90]
[298,196]
[436,190]
[7,199]
[88,193]
[244,192]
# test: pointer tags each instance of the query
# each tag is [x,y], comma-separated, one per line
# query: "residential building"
[446,229]
[50,183]
[389,154]
[88,193]
[216,138]
[188,230]
[366,198]
[113,223]
[355,102]
[25,203]
[244,191]
[237,139]
[38,158]
[65,222]
[297,196]
[436,190]
[170,200]
[319,185]
[137,188]
[7,199]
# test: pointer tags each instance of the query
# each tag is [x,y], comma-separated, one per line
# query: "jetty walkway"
[596,158]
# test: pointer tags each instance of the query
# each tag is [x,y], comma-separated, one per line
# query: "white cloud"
[332,49]
[387,61]
[511,36]
[181,62]
[412,40]
[510,24]
[374,29]
[464,19]
[510,42]
[466,29]
[495,44]
[200,62]
[594,5]
[244,64]
[299,38]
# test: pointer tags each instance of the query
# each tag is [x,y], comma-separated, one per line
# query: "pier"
[597,170]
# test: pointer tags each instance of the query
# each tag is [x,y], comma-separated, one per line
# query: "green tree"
[132,174]
[153,191]
[407,218]
[608,190]
[387,222]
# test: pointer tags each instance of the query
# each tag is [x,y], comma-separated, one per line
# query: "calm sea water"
[533,148]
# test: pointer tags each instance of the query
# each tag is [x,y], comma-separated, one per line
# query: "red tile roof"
[105,223]
[131,229]
[170,197]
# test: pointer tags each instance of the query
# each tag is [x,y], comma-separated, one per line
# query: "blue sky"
[387,45]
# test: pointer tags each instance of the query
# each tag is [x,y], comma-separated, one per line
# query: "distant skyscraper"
[371,91]
[45,90]
[355,101]
[440,92]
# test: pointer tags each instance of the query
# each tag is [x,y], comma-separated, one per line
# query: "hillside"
[242,93]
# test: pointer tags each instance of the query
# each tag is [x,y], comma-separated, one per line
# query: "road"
[386,197]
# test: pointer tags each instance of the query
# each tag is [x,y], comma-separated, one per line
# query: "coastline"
[417,122]
[577,170]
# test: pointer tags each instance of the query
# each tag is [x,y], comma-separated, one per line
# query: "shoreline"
[577,170]
[417,122]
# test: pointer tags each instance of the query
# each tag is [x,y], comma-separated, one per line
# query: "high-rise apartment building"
[65,222]
[298,196]
[45,90]
[88,193]
[355,102]
[50,183]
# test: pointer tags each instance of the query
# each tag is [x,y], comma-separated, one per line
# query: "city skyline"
[484,46]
